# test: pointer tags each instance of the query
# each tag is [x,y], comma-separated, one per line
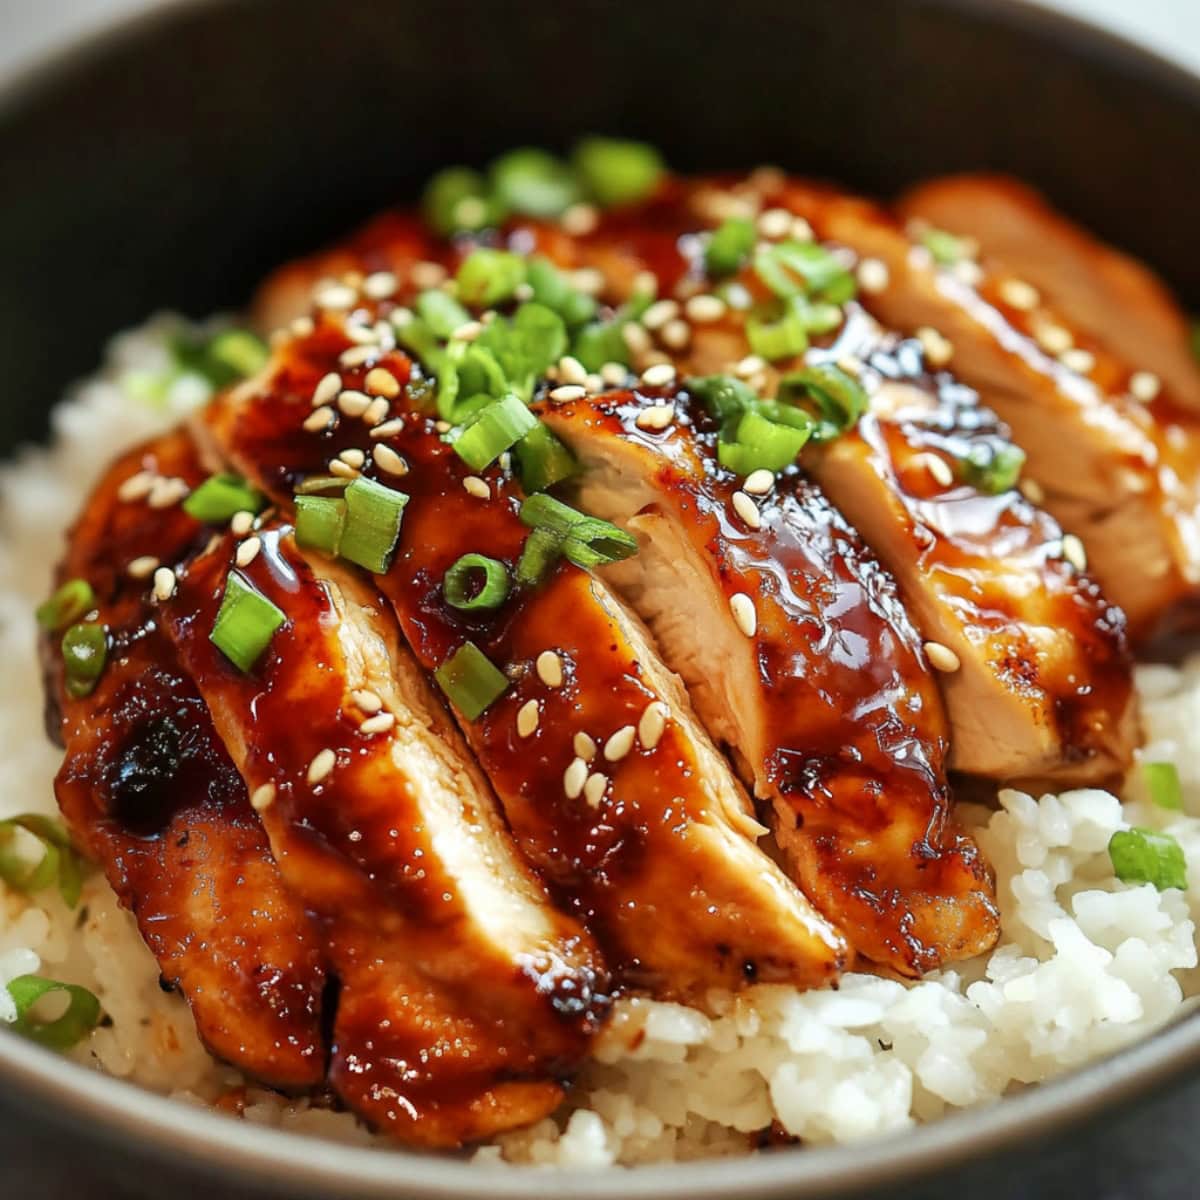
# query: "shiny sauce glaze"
[150,793]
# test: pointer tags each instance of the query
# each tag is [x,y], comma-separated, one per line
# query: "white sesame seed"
[352,278]
[477,487]
[386,459]
[380,286]
[851,364]
[505,460]
[321,765]
[635,338]
[584,746]
[744,613]
[675,335]
[428,274]
[136,487]
[657,417]
[1054,339]
[377,410]
[143,567]
[262,797]
[659,313]
[1079,361]
[747,510]
[571,370]
[400,318]
[327,389]
[381,382]
[939,469]
[549,668]
[527,718]
[580,219]
[165,492]
[759,483]
[302,327]
[594,383]
[942,658]
[938,349]
[164,583]
[749,366]
[335,296]
[658,376]
[241,522]
[353,403]
[342,469]
[468,332]
[645,283]
[1144,386]
[873,276]
[614,374]
[319,419]
[802,231]
[567,393]
[523,292]
[1032,491]
[1019,295]
[357,356]
[366,701]
[574,778]
[353,457]
[967,271]
[1073,552]
[247,551]
[652,725]
[588,280]
[442,426]
[594,789]
[775,223]
[388,428]
[620,743]
[381,722]
[705,309]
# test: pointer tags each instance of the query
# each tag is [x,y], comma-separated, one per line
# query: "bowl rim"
[209,1143]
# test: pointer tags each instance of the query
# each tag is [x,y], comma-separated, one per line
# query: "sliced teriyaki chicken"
[464,997]
[151,795]
[800,659]
[611,788]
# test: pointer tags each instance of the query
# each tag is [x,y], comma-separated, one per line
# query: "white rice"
[1086,963]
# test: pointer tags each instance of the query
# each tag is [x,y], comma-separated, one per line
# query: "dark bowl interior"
[172,162]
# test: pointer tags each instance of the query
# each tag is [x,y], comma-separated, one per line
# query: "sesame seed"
[523,292]
[802,231]
[136,487]
[353,403]
[594,383]
[851,364]
[759,483]
[942,658]
[584,746]
[477,487]
[335,296]
[939,469]
[302,327]
[656,417]
[1032,491]
[574,778]
[442,426]
[1019,295]
[653,724]
[468,332]
[580,219]
[143,567]
[164,583]
[377,410]
[873,275]
[549,668]
[751,365]
[505,460]
[327,389]
[967,271]
[388,428]
[675,335]
[1079,361]
[527,718]
[319,419]
[342,469]
[262,797]
[938,349]
[594,789]
[705,309]
[381,285]
[571,370]
[567,393]
[620,743]
[1073,552]
[1054,339]
[362,335]
[659,375]
[380,723]
[247,552]
[659,313]
[775,223]
[645,283]
[386,459]
[613,373]
[366,701]
[353,457]
[747,510]
[241,522]
[381,382]
[357,356]
[1144,386]
[165,492]
[352,278]
[744,613]
[588,280]
[428,274]
[400,318]
[321,765]
[636,338]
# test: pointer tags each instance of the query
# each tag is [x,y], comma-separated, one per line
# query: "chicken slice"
[151,795]
[463,995]
[643,834]
[799,657]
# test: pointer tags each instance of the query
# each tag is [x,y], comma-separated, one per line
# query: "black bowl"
[170,162]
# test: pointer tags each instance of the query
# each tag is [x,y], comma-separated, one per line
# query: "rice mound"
[1085,964]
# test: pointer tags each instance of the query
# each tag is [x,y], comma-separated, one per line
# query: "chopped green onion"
[464,590]
[823,275]
[471,680]
[245,624]
[81,1017]
[1148,856]
[318,484]
[59,863]
[448,387]
[457,200]
[488,277]
[497,427]
[723,395]
[615,171]
[729,246]
[373,516]
[837,398]
[541,551]
[993,469]
[551,287]
[417,336]
[1162,782]
[526,345]
[761,443]
[818,316]
[220,496]
[67,605]
[945,247]
[534,183]
[544,512]
[784,338]
[480,373]
[586,541]
[84,651]
[441,312]
[319,522]
[221,359]
[543,459]
[599,343]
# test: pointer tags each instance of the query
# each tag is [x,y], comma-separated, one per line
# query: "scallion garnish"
[475,582]
[223,358]
[821,274]
[551,288]
[84,651]
[67,605]
[456,200]
[220,496]
[1162,782]
[245,624]
[993,469]
[760,442]
[586,541]
[471,681]
[599,343]
[489,277]
[723,395]
[945,247]
[441,312]
[785,337]
[543,460]
[837,399]
[316,485]
[493,430]
[729,246]
[526,345]
[541,551]
[319,522]
[81,1017]
[615,172]
[372,529]
[1148,856]
[58,865]
[534,183]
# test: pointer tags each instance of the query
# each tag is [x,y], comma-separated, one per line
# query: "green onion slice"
[541,551]
[59,863]
[84,651]
[319,522]
[729,246]
[615,171]
[222,359]
[599,343]
[220,496]
[1148,856]
[534,183]
[543,460]
[766,437]
[1162,782]
[373,516]
[441,312]
[245,624]
[993,469]
[586,541]
[551,288]
[782,338]
[836,398]
[723,395]
[488,277]
[81,1017]
[526,345]
[493,430]
[471,681]
[456,200]
[945,247]
[67,605]
[476,582]
[319,484]
[822,275]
